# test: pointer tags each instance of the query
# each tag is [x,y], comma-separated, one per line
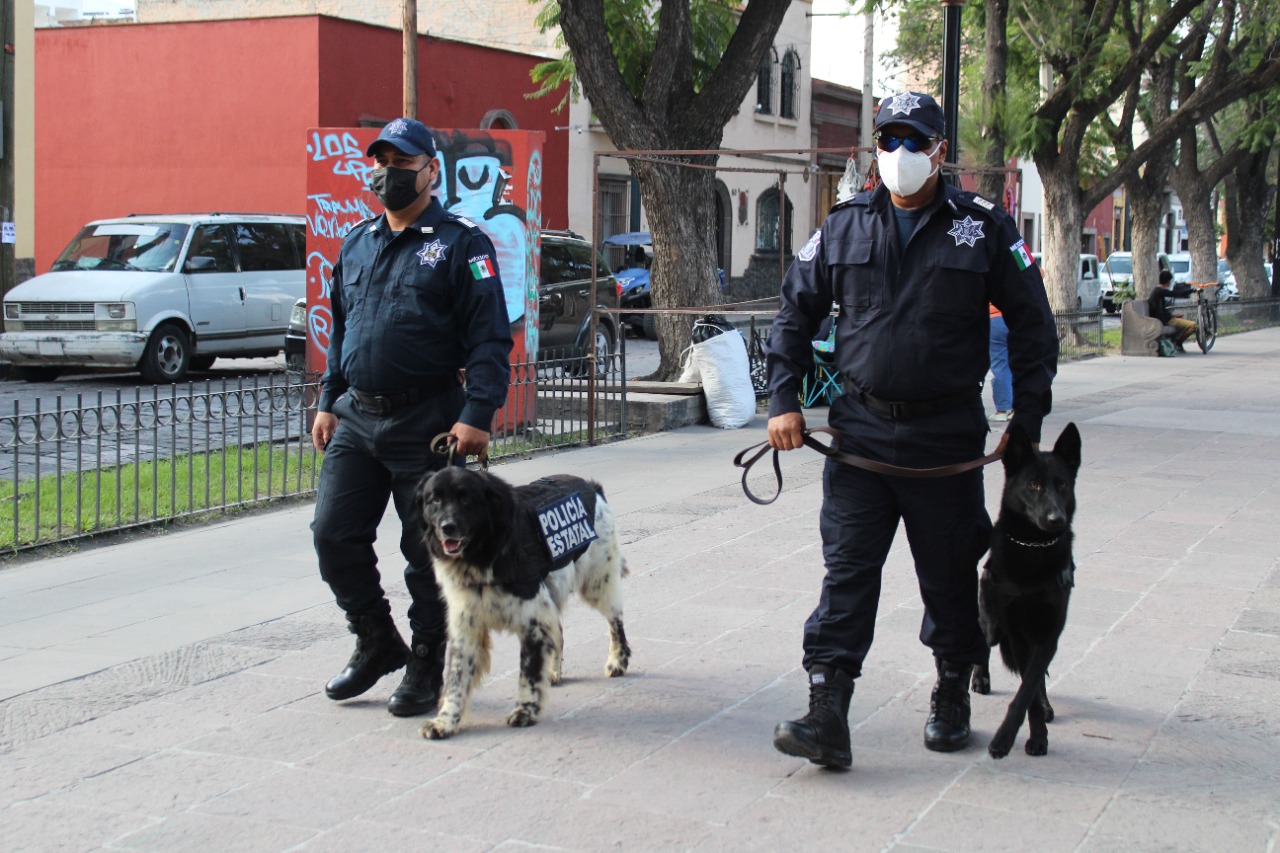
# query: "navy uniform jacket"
[411,309]
[913,324]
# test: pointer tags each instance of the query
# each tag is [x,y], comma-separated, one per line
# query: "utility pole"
[951,10]
[868,70]
[409,28]
[7,91]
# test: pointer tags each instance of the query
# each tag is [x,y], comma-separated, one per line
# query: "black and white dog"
[508,557]
[1026,583]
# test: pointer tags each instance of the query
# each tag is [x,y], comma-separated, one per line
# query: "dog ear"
[420,495]
[1018,450]
[1067,447]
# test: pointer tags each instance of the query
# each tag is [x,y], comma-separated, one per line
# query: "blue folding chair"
[821,385]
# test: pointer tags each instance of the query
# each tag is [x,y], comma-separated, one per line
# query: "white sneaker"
[1000,416]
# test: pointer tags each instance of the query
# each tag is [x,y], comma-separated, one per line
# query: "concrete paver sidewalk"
[165,693]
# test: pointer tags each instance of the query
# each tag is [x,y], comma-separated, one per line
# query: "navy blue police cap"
[409,135]
[915,109]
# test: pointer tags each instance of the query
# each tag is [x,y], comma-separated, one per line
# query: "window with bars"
[764,84]
[790,87]
[614,216]
[770,233]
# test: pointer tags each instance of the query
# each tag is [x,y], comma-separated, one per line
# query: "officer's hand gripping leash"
[833,451]
[445,444]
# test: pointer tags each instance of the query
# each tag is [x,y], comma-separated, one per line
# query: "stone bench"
[1140,332]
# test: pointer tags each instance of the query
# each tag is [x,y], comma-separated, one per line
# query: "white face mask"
[904,173]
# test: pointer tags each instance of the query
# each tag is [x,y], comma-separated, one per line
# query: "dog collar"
[1053,541]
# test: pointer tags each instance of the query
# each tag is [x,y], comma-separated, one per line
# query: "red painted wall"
[192,117]
[170,118]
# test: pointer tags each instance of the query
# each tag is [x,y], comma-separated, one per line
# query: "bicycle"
[1205,298]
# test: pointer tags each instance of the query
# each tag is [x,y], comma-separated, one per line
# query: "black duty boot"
[947,729]
[379,650]
[419,692]
[822,735]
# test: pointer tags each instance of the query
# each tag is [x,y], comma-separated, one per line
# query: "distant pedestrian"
[416,299]
[1001,377]
[1158,307]
[912,265]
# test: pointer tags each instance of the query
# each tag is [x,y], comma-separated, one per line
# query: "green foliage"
[633,32]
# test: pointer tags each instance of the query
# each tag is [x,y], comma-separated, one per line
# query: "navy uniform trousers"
[947,528]
[372,458]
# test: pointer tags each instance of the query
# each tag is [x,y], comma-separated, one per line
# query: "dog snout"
[448,528]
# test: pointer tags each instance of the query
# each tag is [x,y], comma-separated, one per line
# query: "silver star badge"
[966,230]
[904,103]
[431,253]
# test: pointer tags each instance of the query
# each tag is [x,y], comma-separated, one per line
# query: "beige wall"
[24,129]
[503,24]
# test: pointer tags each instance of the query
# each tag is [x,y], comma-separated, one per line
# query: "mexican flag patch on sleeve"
[1021,256]
[482,268]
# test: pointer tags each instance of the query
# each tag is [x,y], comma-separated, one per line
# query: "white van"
[1117,272]
[1088,283]
[160,294]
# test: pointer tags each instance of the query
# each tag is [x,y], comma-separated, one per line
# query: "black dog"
[1026,583]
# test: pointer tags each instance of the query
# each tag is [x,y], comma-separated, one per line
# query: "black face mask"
[395,188]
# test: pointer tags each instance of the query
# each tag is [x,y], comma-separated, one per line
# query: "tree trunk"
[1201,233]
[679,204]
[1148,208]
[991,184]
[1061,233]
[1247,190]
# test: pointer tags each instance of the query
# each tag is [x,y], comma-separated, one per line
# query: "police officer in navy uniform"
[911,266]
[416,299]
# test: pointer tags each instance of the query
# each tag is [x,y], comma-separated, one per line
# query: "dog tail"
[599,488]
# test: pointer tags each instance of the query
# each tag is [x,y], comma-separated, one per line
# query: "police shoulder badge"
[810,250]
[482,267]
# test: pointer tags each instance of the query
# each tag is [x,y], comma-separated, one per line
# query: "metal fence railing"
[89,464]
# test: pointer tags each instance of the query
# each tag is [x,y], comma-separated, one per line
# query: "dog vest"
[555,524]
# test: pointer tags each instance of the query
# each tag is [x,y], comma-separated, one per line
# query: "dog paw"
[522,718]
[981,685]
[1000,745]
[436,730]
[1048,713]
[1037,746]
[555,678]
[615,668]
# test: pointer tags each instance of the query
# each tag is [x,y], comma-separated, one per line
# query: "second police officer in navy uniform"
[912,266]
[416,299]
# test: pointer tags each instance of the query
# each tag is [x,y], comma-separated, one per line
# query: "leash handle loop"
[446,444]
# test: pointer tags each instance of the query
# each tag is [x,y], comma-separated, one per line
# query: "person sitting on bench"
[1157,307]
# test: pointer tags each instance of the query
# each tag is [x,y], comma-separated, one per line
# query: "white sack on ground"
[726,379]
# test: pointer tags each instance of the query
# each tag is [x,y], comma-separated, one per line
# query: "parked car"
[1180,263]
[564,300]
[295,338]
[1117,274]
[1227,290]
[160,294]
[1088,282]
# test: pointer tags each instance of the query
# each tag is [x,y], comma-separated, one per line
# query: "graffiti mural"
[493,178]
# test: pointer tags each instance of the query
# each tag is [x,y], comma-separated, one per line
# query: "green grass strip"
[153,490]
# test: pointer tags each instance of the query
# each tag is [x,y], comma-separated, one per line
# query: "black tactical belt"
[385,404]
[909,411]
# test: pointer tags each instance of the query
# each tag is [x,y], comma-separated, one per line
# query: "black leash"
[445,444]
[832,451]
